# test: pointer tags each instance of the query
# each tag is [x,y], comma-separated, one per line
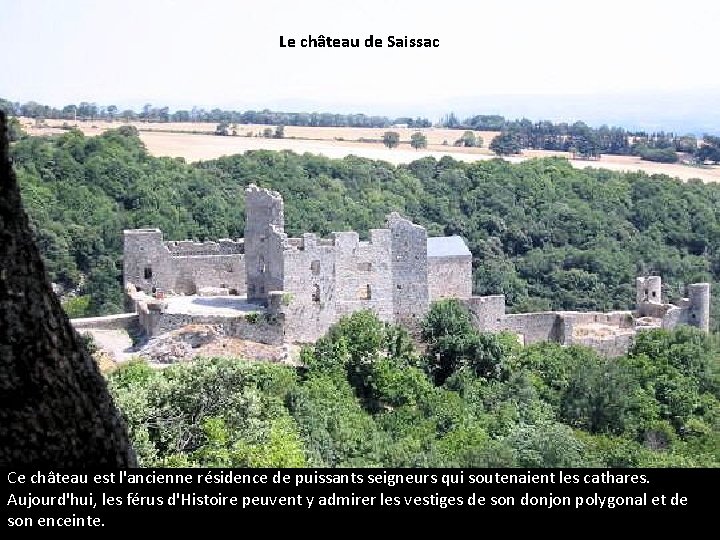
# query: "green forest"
[366,398]
[546,235]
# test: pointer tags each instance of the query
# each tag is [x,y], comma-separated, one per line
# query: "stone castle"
[274,289]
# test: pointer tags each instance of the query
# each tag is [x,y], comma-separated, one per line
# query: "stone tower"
[264,241]
[648,290]
[699,308]
[409,270]
[144,258]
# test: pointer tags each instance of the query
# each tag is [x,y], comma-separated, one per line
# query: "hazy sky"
[226,53]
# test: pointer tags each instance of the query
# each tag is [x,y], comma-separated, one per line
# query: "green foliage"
[454,343]
[546,235]
[709,150]
[362,401]
[418,140]
[214,412]
[89,342]
[15,130]
[661,155]
[469,140]
[391,139]
[77,306]
[506,144]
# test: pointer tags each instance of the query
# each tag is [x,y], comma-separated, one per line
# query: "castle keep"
[274,289]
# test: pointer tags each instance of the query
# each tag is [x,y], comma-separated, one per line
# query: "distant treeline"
[516,135]
[588,142]
[149,113]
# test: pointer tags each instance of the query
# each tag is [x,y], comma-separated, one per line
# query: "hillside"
[545,234]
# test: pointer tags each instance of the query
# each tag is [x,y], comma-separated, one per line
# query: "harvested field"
[194,146]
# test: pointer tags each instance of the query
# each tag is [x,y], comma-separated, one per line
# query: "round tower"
[699,312]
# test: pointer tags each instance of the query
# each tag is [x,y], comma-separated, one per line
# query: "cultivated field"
[187,140]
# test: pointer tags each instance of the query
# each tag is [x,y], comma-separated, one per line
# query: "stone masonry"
[296,288]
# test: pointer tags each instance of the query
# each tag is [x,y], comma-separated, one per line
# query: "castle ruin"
[274,289]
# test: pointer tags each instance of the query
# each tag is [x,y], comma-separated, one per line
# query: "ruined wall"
[197,271]
[259,326]
[487,311]
[181,267]
[674,316]
[123,321]
[224,246]
[647,309]
[648,289]
[146,261]
[265,241]
[409,267]
[534,327]
[253,327]
[326,279]
[610,347]
[449,277]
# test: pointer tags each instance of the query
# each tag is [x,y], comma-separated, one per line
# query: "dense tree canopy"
[362,400]
[546,235]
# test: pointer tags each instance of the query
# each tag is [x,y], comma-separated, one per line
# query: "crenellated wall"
[181,267]
[326,279]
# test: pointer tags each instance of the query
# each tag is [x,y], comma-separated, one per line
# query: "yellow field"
[340,142]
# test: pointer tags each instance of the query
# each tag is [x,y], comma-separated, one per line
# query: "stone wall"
[534,327]
[197,271]
[326,279]
[123,321]
[449,277]
[265,241]
[181,267]
[647,309]
[610,347]
[487,311]
[224,246]
[699,308]
[409,267]
[251,326]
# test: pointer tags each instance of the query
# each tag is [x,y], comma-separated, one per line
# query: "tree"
[709,150]
[222,129]
[391,139]
[15,130]
[505,144]
[469,140]
[418,140]
[111,112]
[56,409]
[279,132]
